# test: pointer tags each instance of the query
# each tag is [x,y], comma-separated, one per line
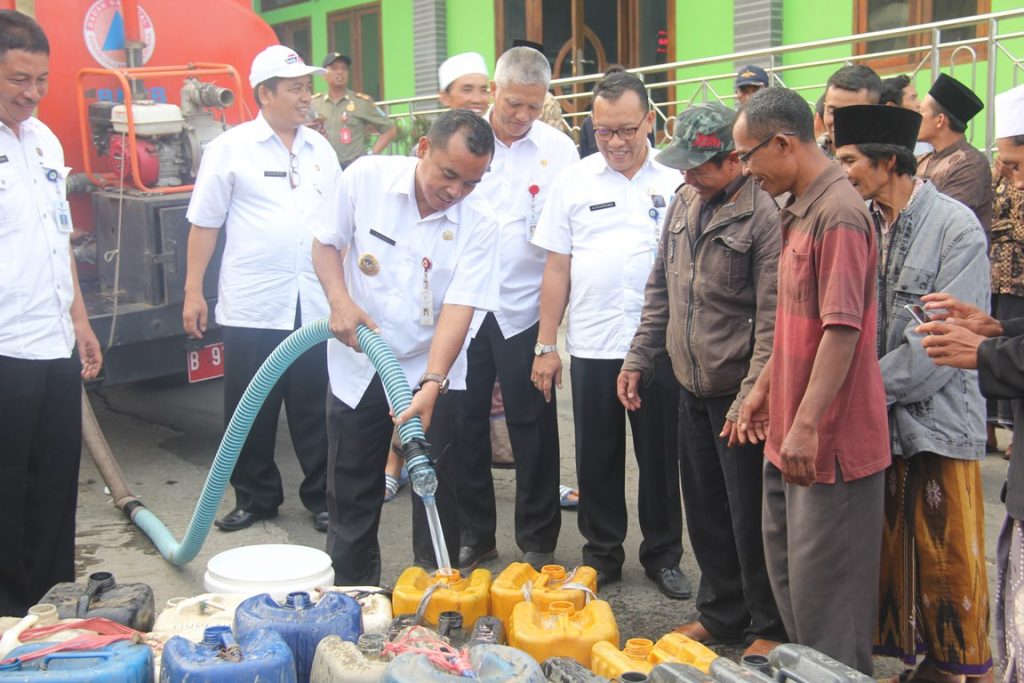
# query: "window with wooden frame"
[296,35]
[583,37]
[879,15]
[267,5]
[356,32]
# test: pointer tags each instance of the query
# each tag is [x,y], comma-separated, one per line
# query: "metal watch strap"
[442,381]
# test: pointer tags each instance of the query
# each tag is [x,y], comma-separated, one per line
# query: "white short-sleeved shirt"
[372,212]
[611,227]
[532,161]
[245,185]
[36,288]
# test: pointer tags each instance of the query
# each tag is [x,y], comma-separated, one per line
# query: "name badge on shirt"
[275,174]
[62,216]
[382,237]
[598,207]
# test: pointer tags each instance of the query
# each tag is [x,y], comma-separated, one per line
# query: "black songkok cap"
[956,98]
[523,42]
[861,124]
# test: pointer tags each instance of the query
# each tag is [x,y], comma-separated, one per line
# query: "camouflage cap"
[701,132]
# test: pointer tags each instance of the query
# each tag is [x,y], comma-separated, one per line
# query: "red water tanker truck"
[137,89]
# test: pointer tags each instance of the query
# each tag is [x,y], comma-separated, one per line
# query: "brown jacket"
[710,301]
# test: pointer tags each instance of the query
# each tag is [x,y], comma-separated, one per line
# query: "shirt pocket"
[9,202]
[733,255]
[796,275]
[674,241]
[911,285]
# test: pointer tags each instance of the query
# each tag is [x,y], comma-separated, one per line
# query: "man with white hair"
[528,155]
[463,84]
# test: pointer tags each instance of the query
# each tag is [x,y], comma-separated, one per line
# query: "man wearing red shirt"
[827,443]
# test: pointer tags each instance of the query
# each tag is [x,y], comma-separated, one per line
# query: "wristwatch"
[541,349]
[442,381]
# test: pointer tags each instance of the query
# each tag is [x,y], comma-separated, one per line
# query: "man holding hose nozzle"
[419,260]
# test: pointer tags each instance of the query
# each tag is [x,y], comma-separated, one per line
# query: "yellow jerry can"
[640,654]
[562,630]
[545,586]
[470,597]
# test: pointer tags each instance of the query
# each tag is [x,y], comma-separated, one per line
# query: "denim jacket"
[936,245]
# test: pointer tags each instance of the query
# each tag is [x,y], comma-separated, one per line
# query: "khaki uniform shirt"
[346,121]
[962,172]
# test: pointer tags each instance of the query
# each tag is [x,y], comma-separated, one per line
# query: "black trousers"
[256,479]
[359,441]
[532,430]
[722,497]
[40,450]
[601,460]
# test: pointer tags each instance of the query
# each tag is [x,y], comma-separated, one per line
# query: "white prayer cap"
[458,66]
[1010,113]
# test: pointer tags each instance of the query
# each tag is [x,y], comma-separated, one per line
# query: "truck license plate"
[206,362]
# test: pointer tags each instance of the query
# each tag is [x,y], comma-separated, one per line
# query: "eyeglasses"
[625,134]
[294,179]
[745,157]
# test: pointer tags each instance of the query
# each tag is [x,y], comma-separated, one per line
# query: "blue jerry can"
[122,661]
[301,623]
[258,656]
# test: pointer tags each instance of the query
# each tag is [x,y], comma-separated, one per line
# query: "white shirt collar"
[261,131]
[597,164]
[404,183]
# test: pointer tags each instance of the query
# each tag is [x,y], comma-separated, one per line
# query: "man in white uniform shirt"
[528,155]
[42,320]
[397,232]
[261,181]
[602,228]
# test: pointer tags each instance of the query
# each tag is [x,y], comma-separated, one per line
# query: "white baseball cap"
[1010,113]
[459,65]
[278,61]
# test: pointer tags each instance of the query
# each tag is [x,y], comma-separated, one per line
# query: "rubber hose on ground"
[396,387]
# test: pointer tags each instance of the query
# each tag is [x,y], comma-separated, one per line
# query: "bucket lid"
[268,564]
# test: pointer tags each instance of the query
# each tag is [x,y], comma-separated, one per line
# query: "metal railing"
[783,63]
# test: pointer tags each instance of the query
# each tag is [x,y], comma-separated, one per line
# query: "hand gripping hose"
[396,386]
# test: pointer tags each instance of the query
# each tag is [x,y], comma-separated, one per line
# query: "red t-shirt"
[827,277]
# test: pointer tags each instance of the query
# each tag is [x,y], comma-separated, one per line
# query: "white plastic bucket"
[277,569]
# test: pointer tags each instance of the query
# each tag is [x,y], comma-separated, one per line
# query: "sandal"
[568,497]
[392,485]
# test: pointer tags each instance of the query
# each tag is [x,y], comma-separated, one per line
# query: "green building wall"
[703,29]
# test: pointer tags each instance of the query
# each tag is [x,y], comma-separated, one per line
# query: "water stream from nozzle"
[424,484]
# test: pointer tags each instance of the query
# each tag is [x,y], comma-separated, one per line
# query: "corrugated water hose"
[396,386]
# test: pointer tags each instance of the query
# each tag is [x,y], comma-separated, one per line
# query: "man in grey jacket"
[710,303]
[933,587]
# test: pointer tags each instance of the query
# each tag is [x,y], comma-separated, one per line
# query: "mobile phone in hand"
[918,313]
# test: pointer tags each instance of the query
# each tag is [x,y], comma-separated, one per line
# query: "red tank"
[92,33]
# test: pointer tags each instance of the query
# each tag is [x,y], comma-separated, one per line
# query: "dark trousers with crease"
[359,441]
[40,450]
[533,433]
[256,479]
[722,497]
[601,460]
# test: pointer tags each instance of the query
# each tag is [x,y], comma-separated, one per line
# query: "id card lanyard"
[426,296]
[657,202]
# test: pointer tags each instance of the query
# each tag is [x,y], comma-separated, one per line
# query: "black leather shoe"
[671,581]
[239,519]
[321,520]
[470,556]
[537,559]
[606,577]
